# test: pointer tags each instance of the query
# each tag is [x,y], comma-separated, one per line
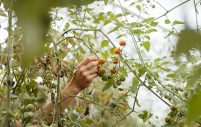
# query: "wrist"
[71,89]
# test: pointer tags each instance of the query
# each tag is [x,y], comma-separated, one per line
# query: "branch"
[141,58]
[168,11]
[133,108]
[3,78]
[196,16]
[80,40]
[19,81]
[9,78]
[57,106]
[90,101]
[166,15]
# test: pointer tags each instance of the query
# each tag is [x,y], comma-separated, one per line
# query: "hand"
[86,72]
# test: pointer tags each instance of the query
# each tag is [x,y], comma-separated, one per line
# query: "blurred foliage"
[188,39]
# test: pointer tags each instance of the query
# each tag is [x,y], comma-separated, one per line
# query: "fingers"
[87,60]
[91,77]
[91,71]
[91,65]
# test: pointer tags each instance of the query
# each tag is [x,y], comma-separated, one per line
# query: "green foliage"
[194,105]
[188,39]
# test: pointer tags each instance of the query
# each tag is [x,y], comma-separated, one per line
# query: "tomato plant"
[47,40]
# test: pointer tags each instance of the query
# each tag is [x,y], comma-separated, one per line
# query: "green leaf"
[106,1]
[112,50]
[146,45]
[132,3]
[138,7]
[108,84]
[123,71]
[135,83]
[105,54]
[194,106]
[121,35]
[67,25]
[104,43]
[177,22]
[113,30]
[148,19]
[88,9]
[170,33]
[154,24]
[188,39]
[145,116]
[2,13]
[167,21]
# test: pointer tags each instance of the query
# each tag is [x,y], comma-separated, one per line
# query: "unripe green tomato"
[122,78]
[30,107]
[41,98]
[148,76]
[118,82]
[29,115]
[105,77]
[115,85]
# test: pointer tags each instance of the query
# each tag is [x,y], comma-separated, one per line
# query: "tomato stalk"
[8,77]
[57,104]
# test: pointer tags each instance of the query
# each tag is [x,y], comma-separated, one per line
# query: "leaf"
[145,116]
[138,7]
[146,45]
[194,76]
[106,1]
[132,3]
[148,20]
[114,29]
[104,54]
[154,24]
[167,21]
[108,85]
[135,83]
[188,39]
[88,9]
[123,70]
[104,43]
[121,35]
[194,106]
[67,25]
[2,13]
[170,33]
[177,22]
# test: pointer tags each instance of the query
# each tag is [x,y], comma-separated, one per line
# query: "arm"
[86,72]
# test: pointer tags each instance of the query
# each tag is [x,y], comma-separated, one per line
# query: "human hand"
[86,72]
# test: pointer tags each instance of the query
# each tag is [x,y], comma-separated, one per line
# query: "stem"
[166,15]
[8,82]
[141,58]
[168,11]
[19,81]
[196,16]
[57,114]
[133,108]
[82,98]
[57,104]
[80,40]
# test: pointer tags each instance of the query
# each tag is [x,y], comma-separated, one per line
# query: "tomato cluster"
[113,72]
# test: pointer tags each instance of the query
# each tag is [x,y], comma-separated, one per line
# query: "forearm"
[67,95]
